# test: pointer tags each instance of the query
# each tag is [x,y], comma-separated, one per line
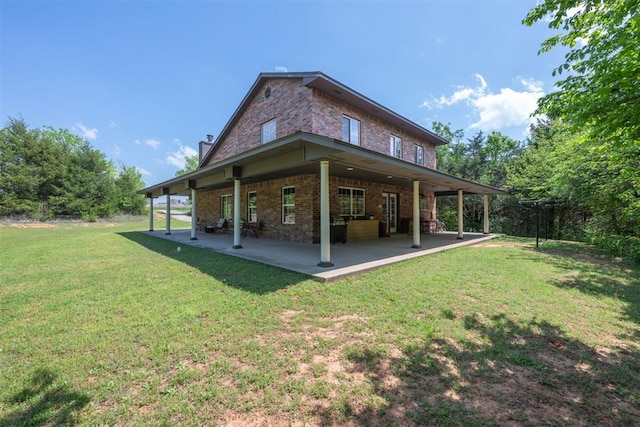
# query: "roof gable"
[326,84]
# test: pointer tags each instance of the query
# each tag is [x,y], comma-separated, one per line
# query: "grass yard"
[101,325]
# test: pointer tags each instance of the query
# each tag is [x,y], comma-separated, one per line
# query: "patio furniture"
[219,227]
[231,228]
[254,228]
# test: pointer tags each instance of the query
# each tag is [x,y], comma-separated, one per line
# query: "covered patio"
[348,259]
[302,153]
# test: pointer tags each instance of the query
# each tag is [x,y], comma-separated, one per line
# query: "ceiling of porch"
[301,153]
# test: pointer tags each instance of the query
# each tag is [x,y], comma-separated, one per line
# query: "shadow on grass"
[43,402]
[242,274]
[505,373]
[599,275]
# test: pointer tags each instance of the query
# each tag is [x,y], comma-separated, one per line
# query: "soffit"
[301,153]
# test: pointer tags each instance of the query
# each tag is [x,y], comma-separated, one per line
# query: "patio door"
[390,211]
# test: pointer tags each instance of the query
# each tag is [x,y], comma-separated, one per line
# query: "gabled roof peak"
[322,82]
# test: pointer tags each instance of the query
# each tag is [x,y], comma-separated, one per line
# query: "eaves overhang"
[300,153]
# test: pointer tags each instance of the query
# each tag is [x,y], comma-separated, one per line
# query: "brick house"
[303,150]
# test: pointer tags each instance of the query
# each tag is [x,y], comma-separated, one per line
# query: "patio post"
[168,213]
[325,231]
[485,199]
[236,214]
[416,215]
[194,219]
[460,220]
[150,196]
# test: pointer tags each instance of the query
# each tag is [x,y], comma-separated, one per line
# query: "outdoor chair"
[220,226]
[255,228]
[231,227]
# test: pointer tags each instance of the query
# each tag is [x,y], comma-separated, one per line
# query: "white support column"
[194,218]
[150,213]
[236,214]
[168,212]
[460,219]
[416,215]
[325,231]
[485,198]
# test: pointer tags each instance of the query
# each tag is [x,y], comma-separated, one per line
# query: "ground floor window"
[288,205]
[226,206]
[351,201]
[252,206]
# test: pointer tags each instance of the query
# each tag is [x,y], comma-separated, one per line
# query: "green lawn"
[102,325]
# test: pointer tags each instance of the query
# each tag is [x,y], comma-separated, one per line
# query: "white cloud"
[117,150]
[495,111]
[113,124]
[86,132]
[281,69]
[582,41]
[176,158]
[143,171]
[153,143]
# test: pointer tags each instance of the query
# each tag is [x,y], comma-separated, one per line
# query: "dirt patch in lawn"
[32,225]
[510,374]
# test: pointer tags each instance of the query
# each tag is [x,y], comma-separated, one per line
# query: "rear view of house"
[303,151]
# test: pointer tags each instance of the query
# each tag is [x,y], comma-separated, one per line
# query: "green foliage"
[129,181]
[48,172]
[601,90]
[482,159]
[597,182]
[190,165]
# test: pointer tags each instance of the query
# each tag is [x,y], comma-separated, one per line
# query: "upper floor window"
[396,147]
[268,131]
[420,155]
[350,130]
[252,206]
[288,205]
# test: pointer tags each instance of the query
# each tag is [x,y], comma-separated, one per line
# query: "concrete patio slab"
[348,259]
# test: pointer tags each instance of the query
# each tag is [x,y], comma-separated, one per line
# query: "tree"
[482,159]
[597,183]
[50,172]
[128,182]
[32,166]
[88,189]
[190,165]
[602,89]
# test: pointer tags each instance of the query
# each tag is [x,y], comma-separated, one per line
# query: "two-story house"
[302,150]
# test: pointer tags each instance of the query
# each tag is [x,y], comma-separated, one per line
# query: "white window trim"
[421,149]
[352,120]
[283,205]
[351,202]
[249,193]
[392,141]
[268,137]
[222,197]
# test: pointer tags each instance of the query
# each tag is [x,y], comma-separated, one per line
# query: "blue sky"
[143,81]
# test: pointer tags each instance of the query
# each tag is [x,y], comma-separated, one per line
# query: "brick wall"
[374,133]
[299,108]
[307,226]
[269,206]
[289,102]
